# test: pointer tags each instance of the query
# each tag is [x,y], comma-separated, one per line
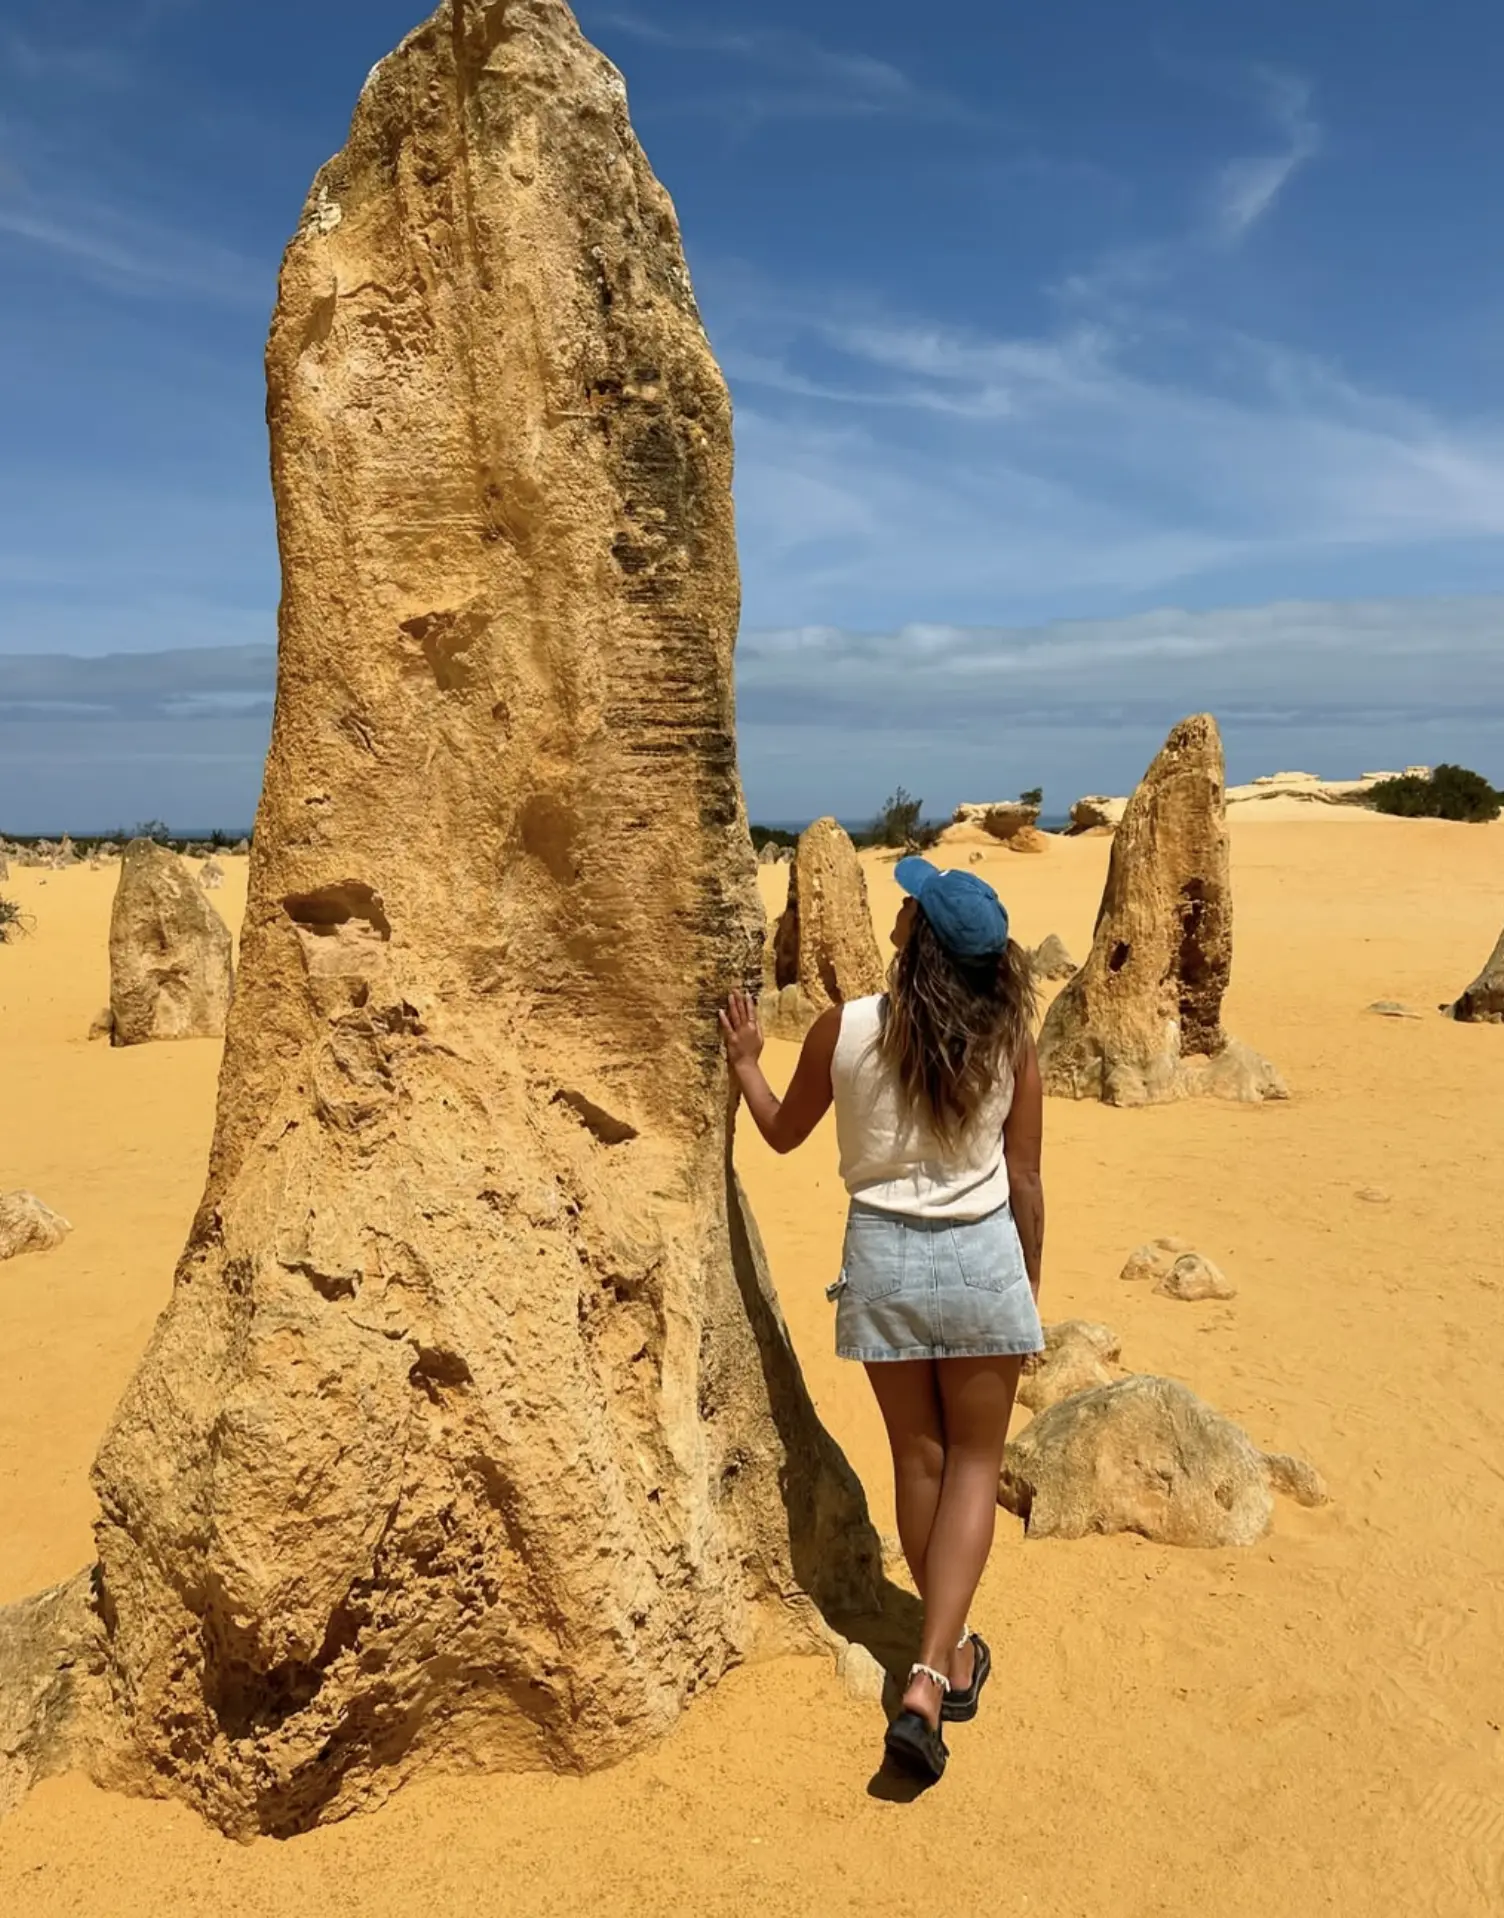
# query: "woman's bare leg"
[909,1400]
[976,1401]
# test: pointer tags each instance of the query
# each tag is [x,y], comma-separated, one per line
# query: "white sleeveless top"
[892,1159]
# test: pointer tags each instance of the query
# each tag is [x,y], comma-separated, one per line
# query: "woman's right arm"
[1023,1134]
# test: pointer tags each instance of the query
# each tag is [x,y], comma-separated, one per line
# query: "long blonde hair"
[952,1026]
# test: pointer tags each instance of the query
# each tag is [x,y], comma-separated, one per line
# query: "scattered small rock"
[1193,1278]
[861,1674]
[26,1225]
[103,1026]
[1155,1260]
[1392,1009]
[1050,960]
[1374,1195]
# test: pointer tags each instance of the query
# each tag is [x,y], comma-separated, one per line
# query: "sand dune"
[1309,1725]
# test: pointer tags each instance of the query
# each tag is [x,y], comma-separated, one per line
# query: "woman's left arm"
[1023,1135]
[786,1122]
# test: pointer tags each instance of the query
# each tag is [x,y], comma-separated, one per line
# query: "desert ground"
[1309,1725]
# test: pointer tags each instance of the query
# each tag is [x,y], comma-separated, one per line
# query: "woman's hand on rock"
[740,1030]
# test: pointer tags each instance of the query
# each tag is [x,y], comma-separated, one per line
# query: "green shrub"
[1451,792]
[1033,797]
[900,825]
[12,920]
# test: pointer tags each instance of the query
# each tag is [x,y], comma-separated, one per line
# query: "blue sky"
[1092,364]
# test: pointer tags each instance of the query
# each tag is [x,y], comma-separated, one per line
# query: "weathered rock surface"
[1141,1022]
[1028,839]
[26,1225]
[999,818]
[1483,1002]
[473,1433]
[55,1709]
[1050,960]
[1193,1278]
[823,944]
[1079,1354]
[170,953]
[1146,1455]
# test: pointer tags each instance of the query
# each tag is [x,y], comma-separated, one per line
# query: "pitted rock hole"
[549,829]
[342,929]
[435,1371]
[1121,953]
[605,1125]
[443,638]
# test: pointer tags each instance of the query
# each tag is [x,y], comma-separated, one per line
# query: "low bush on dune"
[12,920]
[900,825]
[772,836]
[1451,792]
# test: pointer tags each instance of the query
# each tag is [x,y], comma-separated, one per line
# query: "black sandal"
[912,1742]
[960,1707]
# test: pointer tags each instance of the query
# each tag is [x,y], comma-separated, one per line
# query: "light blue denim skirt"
[933,1289]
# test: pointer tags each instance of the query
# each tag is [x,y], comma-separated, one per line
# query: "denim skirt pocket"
[988,1253]
[872,1260]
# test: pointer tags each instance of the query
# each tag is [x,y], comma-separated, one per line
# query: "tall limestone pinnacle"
[1141,1022]
[473,1433]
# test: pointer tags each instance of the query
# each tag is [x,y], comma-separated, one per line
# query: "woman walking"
[938,1118]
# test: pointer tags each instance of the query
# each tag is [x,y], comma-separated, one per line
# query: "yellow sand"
[1311,1725]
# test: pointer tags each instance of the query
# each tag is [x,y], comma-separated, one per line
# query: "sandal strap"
[966,1632]
[928,1671]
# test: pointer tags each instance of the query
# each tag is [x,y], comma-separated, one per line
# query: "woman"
[938,1117]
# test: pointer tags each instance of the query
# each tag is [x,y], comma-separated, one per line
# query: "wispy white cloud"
[116,245]
[1246,188]
[885,457]
[790,75]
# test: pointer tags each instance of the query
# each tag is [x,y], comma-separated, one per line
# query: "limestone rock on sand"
[1050,960]
[170,952]
[1156,1259]
[1146,1455]
[26,1225]
[1483,1002]
[1028,839]
[1141,1022]
[211,875]
[4,864]
[1193,1278]
[473,1433]
[54,1701]
[1097,813]
[1000,818]
[1078,1355]
[823,943]
[861,1675]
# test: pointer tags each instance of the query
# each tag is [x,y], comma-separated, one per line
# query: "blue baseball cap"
[966,915]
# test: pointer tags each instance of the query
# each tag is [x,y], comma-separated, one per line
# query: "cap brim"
[914,874]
